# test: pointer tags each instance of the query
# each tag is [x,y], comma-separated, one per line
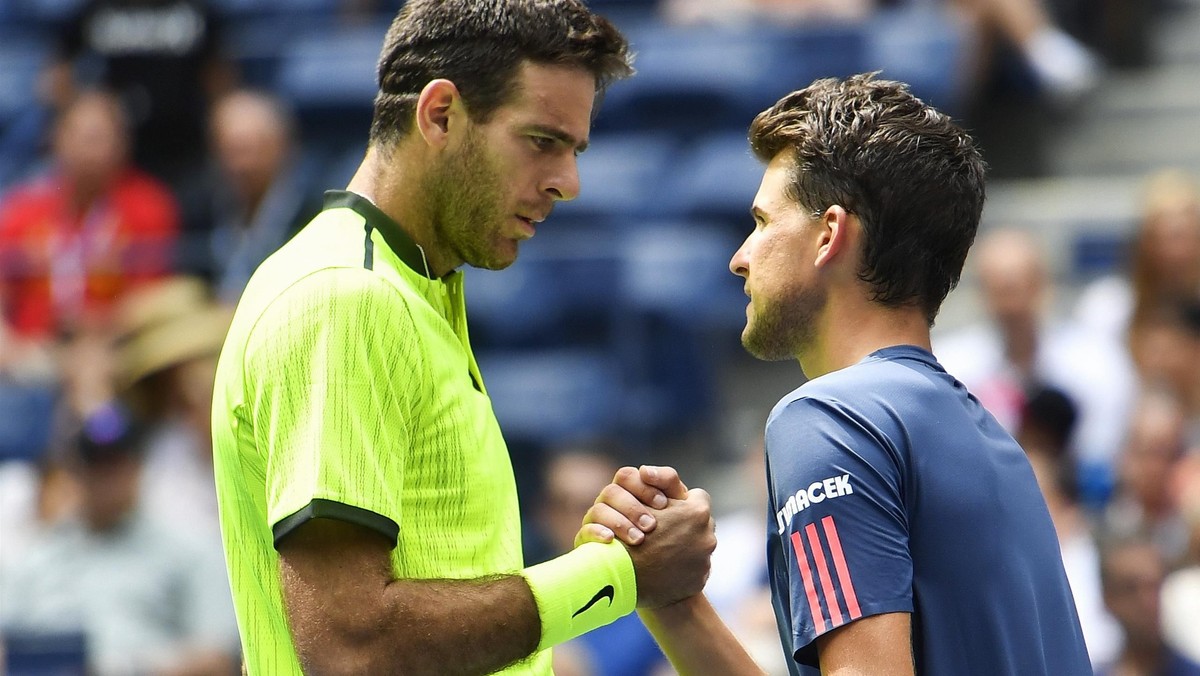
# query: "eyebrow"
[560,136]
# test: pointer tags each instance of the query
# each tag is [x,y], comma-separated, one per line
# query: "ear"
[835,237]
[438,107]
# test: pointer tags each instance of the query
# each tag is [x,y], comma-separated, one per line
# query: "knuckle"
[625,474]
[610,494]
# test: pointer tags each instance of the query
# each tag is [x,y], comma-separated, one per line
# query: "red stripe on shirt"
[835,609]
[843,571]
[809,588]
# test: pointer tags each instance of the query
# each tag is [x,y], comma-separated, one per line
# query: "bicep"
[333,574]
[879,645]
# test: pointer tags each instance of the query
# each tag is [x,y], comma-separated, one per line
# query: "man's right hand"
[673,563]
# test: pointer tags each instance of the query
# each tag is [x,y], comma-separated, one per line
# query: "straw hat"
[158,302]
[168,326]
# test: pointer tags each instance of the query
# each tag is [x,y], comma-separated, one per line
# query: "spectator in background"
[1165,346]
[147,600]
[256,199]
[1064,68]
[1143,502]
[1132,571]
[1046,425]
[1181,590]
[73,241]
[573,479]
[171,334]
[1019,347]
[1164,261]
[163,59]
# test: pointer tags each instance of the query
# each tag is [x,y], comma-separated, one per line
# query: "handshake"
[668,530]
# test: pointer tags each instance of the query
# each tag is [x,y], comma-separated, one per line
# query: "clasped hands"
[667,528]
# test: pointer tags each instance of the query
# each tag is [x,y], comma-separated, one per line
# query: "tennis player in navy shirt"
[906,532]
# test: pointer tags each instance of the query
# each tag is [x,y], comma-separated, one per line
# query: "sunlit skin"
[785,295]
[470,191]
[801,269]
[91,146]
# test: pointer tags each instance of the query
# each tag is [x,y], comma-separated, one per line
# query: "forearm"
[370,623]
[425,627]
[696,641]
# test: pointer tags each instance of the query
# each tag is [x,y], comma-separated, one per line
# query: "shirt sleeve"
[837,503]
[332,365]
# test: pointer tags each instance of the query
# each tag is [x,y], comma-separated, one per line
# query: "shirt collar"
[397,240]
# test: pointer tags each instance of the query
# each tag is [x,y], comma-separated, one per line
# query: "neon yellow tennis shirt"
[347,389]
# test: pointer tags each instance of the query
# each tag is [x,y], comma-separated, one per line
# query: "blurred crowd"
[156,172]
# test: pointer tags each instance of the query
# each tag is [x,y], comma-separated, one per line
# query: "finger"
[666,479]
[593,532]
[629,505]
[700,496]
[631,480]
[625,530]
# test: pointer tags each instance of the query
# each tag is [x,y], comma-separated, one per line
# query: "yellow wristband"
[585,588]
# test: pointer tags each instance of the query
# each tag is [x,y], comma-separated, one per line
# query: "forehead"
[558,96]
[772,196]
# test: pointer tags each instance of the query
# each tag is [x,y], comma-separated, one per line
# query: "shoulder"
[353,297]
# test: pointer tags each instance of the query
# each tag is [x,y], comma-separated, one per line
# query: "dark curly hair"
[912,176]
[479,45]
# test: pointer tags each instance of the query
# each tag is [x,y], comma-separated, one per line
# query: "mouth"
[528,226]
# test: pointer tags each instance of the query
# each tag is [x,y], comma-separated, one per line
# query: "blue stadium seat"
[26,417]
[696,80]
[330,79]
[553,397]
[622,177]
[561,292]
[22,58]
[44,13]
[682,312]
[334,68]
[1098,252]
[680,270]
[44,654]
[717,180]
[925,47]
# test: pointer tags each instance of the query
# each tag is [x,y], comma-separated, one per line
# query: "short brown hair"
[912,176]
[479,44]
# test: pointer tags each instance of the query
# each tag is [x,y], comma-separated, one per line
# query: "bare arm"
[692,636]
[696,641]
[879,645]
[349,616]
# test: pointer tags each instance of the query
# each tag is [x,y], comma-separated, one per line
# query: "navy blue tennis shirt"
[893,490]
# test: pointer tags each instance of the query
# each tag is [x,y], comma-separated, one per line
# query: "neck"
[83,194]
[1020,346]
[846,332]
[1142,659]
[392,182]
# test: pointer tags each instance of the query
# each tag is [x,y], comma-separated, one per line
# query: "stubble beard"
[782,330]
[467,203]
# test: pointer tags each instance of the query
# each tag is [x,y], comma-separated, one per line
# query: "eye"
[543,142]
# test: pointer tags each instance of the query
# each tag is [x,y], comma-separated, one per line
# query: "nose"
[562,184]
[740,263]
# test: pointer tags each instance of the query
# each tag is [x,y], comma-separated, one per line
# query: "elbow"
[356,652]
[341,652]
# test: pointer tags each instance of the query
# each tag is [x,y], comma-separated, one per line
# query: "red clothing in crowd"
[59,266]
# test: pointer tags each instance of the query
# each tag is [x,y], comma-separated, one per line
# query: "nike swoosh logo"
[606,592]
